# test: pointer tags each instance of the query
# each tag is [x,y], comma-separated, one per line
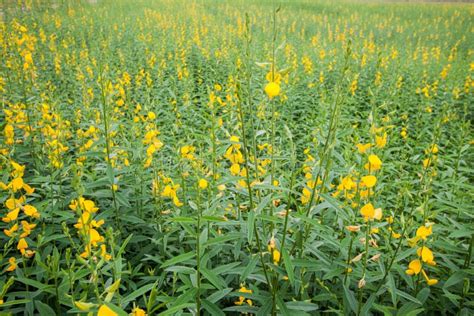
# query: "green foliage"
[204,157]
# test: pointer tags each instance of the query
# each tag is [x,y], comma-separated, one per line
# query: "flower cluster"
[87,226]
[19,214]
[424,254]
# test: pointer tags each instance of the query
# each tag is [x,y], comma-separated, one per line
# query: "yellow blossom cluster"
[19,214]
[424,254]
[153,144]
[87,226]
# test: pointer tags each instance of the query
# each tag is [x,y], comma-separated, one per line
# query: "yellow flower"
[306,196]
[426,255]
[428,280]
[27,228]
[104,310]
[11,216]
[235,169]
[137,311]
[151,115]
[363,147]
[381,141]
[188,152]
[396,235]
[274,76]
[272,89]
[17,184]
[433,149]
[374,163]
[427,162]
[347,183]
[12,264]
[403,133]
[368,211]
[364,194]
[276,256]
[241,300]
[13,203]
[414,267]
[103,252]
[22,244]
[378,214]
[95,237]
[28,189]
[369,181]
[203,184]
[19,169]
[177,202]
[170,192]
[9,232]
[150,150]
[89,206]
[234,139]
[31,211]
[423,232]
[27,253]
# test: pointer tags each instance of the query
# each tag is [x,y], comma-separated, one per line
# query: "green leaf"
[263,204]
[265,309]
[249,268]
[124,244]
[217,296]
[408,297]
[213,219]
[174,309]
[188,296]
[349,299]
[335,204]
[423,295]
[36,284]
[250,226]
[454,298]
[43,309]
[368,304]
[15,302]
[213,278]
[288,266]
[281,305]
[181,269]
[211,308]
[392,289]
[302,306]
[454,279]
[178,259]
[409,309]
[138,292]
[222,239]
[183,219]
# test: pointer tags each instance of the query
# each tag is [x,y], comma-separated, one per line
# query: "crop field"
[209,157]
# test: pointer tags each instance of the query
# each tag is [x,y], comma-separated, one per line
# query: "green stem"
[198,255]
[107,147]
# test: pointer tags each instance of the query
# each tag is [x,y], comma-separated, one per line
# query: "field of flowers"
[214,157]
